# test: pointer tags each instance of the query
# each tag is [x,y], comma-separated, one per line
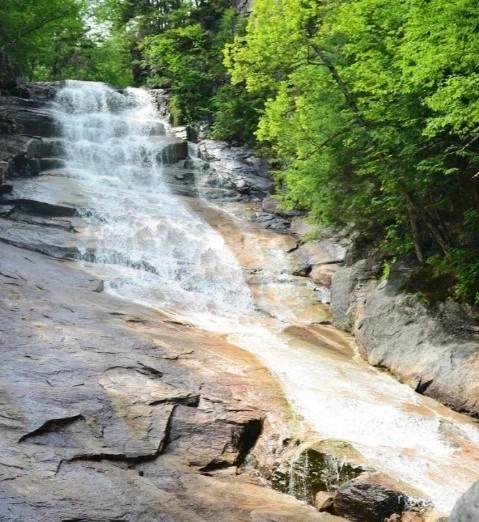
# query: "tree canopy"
[373,116]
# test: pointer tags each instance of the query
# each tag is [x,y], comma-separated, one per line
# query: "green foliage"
[373,117]
[387,268]
[30,30]
[58,39]
[185,56]
[236,114]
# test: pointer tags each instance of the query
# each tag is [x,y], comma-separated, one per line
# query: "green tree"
[372,116]
[58,39]
[32,29]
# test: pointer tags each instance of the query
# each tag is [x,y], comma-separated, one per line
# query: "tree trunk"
[415,232]
[350,101]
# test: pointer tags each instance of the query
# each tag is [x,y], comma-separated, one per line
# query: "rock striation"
[25,129]
[114,411]
[433,347]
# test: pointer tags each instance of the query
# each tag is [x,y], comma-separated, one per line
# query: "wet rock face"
[366,500]
[132,417]
[375,497]
[321,468]
[333,476]
[173,152]
[112,411]
[25,126]
[231,172]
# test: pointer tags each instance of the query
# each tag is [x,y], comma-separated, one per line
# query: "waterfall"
[151,247]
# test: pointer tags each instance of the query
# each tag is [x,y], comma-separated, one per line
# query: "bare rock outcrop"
[114,411]
[231,172]
[432,347]
[111,410]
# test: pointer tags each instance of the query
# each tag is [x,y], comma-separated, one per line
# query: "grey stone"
[173,152]
[347,282]
[32,121]
[467,507]
[371,497]
[317,253]
[235,170]
[434,348]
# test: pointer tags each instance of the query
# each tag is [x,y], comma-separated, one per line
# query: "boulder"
[467,507]
[371,497]
[173,152]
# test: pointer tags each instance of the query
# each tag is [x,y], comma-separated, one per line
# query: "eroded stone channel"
[119,404]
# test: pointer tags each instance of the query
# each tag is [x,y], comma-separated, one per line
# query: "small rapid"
[152,247]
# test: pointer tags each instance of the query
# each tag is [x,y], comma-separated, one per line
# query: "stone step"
[53,242]
[51,147]
[51,163]
[35,122]
[48,195]
[72,224]
[43,208]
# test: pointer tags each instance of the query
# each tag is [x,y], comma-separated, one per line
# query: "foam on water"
[152,249]
[398,431]
[114,140]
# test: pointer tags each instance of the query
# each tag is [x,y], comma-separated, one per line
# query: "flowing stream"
[152,247]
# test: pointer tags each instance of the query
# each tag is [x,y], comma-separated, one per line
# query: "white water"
[152,249]
[113,142]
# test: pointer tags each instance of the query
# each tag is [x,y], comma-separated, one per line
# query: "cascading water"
[156,250]
[151,248]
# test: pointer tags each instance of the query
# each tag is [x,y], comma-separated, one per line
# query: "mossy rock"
[321,466]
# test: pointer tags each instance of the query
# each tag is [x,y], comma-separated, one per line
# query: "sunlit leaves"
[373,114]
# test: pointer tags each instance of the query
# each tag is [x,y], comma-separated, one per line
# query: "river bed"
[209,263]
